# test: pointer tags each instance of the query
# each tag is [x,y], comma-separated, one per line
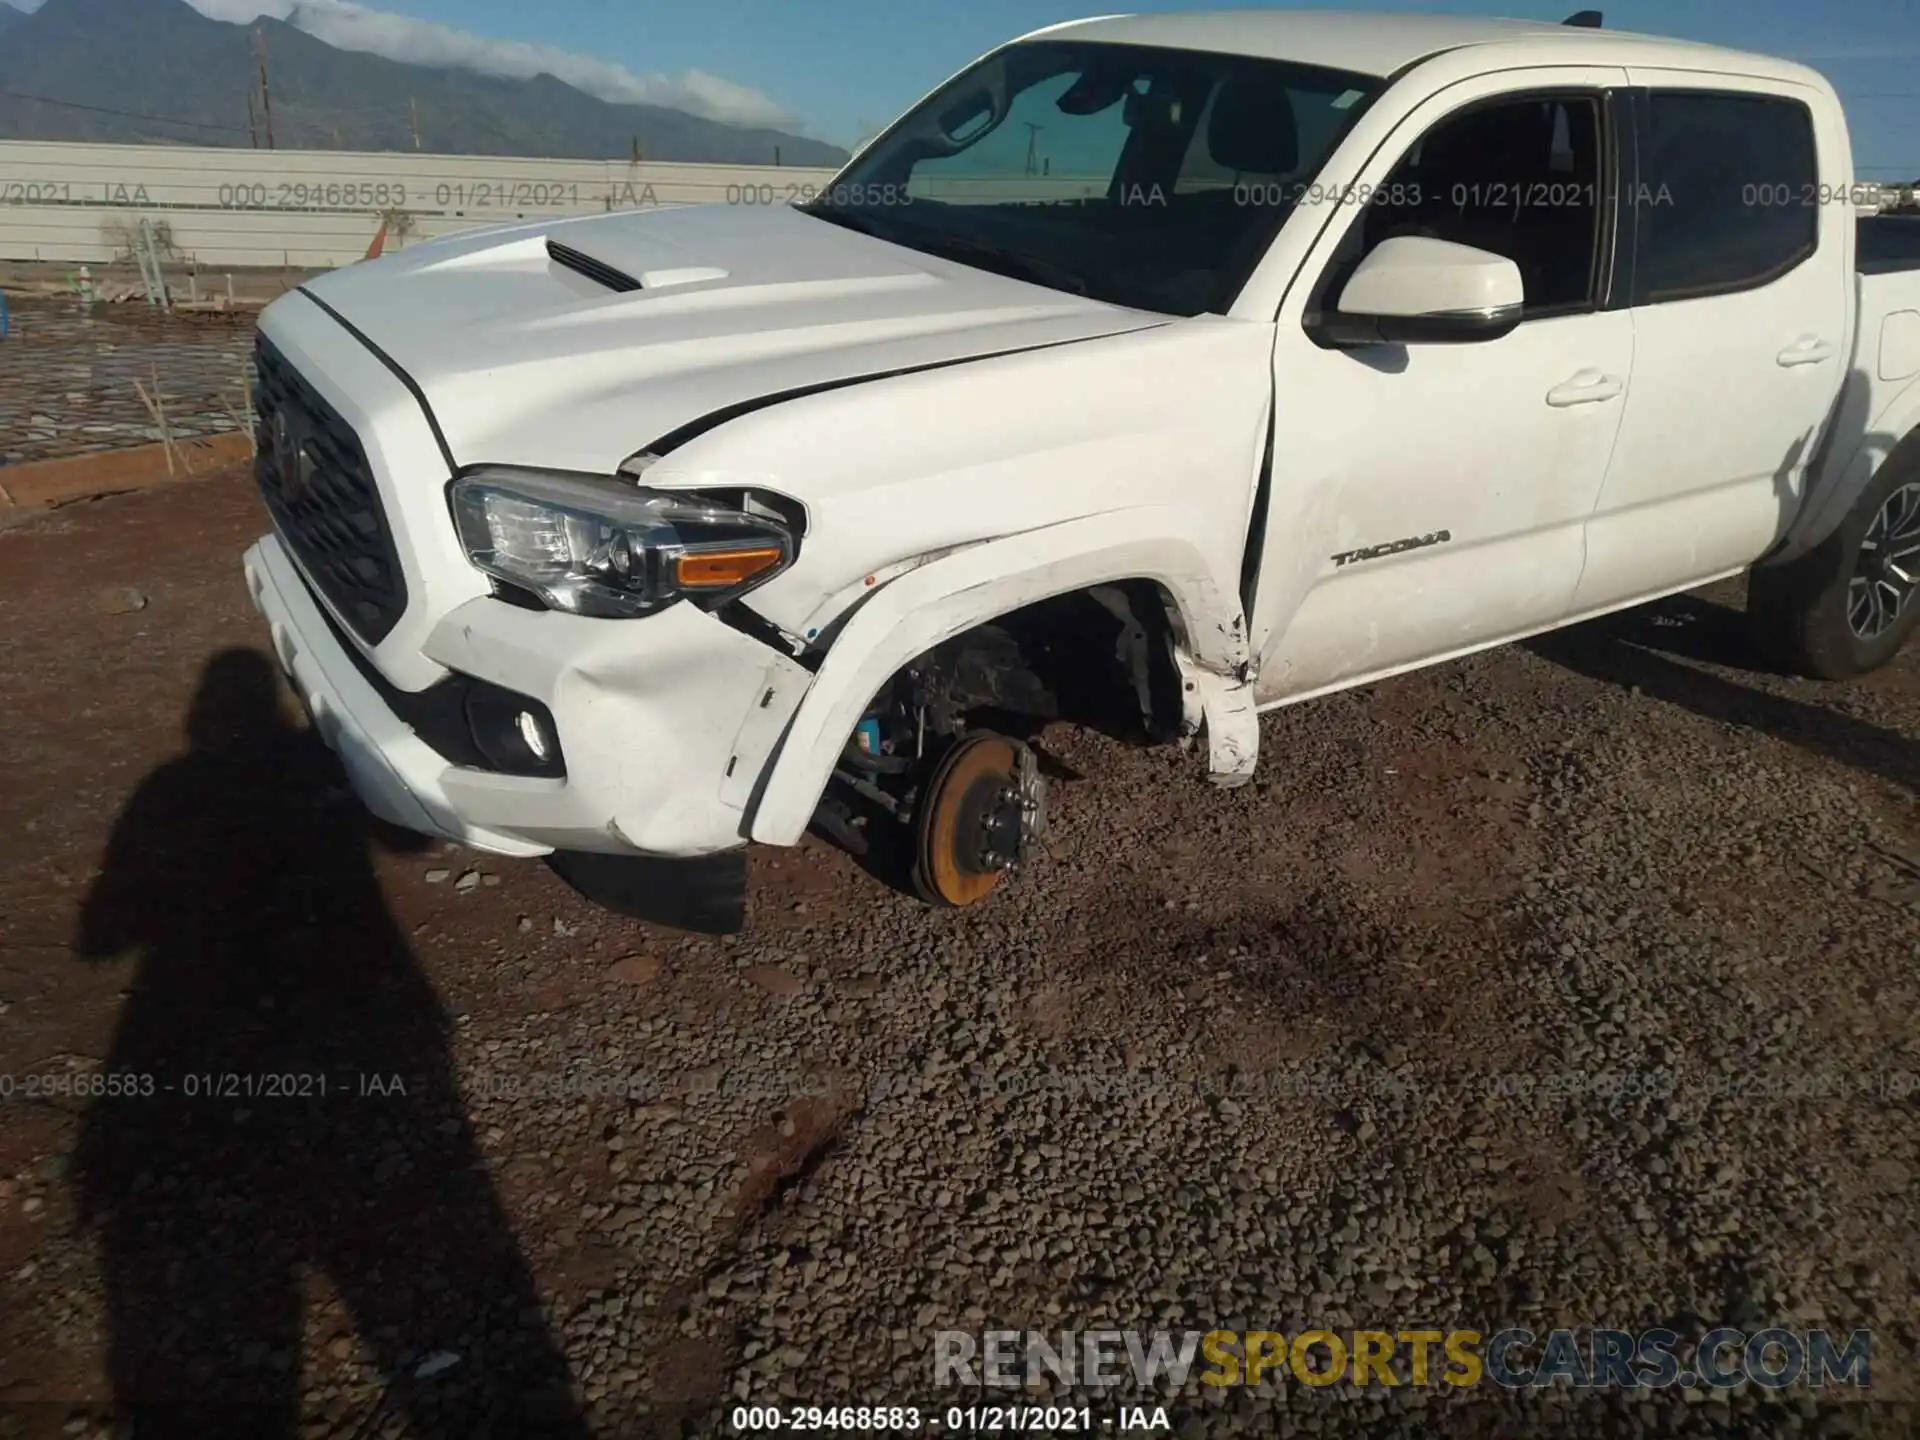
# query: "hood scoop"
[614,278]
[570,344]
[597,271]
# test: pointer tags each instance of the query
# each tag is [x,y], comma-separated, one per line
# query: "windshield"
[1148,177]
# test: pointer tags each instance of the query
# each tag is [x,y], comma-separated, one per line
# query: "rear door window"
[1728,195]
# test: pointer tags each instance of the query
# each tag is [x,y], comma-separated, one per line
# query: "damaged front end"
[944,771]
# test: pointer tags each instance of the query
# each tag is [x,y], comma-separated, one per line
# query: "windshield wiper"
[1016,263]
[834,215]
[967,251]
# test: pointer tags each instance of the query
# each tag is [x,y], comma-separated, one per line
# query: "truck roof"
[1383,42]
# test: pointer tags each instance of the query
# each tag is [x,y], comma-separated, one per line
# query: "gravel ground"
[67,376]
[1570,984]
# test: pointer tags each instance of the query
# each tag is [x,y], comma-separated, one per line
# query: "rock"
[119,600]
[776,981]
[435,1364]
[636,969]
[437,877]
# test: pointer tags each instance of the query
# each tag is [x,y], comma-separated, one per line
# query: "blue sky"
[839,69]
[844,66]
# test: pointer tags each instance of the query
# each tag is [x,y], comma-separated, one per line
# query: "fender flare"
[1892,428]
[951,595]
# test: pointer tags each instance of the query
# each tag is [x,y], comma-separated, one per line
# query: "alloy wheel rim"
[1886,572]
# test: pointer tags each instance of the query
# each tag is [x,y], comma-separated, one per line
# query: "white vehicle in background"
[1173,366]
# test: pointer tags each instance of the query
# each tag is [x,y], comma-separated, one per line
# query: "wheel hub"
[982,812]
[993,820]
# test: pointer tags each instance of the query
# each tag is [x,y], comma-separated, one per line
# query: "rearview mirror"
[966,117]
[1413,289]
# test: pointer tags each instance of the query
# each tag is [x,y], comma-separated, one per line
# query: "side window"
[1727,193]
[1520,177]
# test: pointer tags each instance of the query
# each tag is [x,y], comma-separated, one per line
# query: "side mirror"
[1413,289]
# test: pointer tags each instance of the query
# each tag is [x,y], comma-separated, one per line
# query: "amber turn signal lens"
[721,569]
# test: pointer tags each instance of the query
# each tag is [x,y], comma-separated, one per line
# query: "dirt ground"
[1392,1010]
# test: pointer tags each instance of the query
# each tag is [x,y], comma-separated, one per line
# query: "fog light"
[513,733]
[534,736]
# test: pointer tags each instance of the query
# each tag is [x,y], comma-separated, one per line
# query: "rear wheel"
[1847,606]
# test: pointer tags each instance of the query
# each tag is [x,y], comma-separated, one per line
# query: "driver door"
[1427,499]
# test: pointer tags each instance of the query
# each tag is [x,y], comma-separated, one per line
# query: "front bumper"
[667,723]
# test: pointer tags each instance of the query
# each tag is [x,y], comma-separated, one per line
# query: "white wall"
[311,208]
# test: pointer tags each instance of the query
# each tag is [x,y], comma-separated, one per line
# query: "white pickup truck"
[1157,368]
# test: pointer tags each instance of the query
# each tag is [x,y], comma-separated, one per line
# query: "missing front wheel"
[979,817]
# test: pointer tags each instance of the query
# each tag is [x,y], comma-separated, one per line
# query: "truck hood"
[527,360]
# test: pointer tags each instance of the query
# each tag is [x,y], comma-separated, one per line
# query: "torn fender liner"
[1232,721]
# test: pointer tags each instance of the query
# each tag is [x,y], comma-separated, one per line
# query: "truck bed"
[1886,347]
[1869,418]
[1888,243]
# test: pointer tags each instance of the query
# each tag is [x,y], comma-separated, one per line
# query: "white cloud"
[422,42]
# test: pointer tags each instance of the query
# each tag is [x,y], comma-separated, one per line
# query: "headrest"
[1491,142]
[1252,130]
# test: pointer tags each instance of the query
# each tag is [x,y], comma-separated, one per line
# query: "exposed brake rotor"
[978,819]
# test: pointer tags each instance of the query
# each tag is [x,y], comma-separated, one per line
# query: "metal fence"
[305,209]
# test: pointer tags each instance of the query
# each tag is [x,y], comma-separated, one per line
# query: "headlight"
[612,548]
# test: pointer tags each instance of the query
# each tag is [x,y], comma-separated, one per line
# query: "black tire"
[1798,612]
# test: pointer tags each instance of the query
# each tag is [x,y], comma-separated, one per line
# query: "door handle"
[1807,350]
[1585,388]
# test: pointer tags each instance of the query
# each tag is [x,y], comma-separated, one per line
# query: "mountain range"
[160,72]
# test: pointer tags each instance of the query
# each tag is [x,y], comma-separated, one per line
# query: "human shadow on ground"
[288,1112]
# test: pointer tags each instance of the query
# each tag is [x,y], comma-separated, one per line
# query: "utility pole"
[1033,142]
[253,129]
[266,96]
[413,120]
[636,151]
[776,157]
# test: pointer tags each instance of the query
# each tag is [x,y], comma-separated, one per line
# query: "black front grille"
[314,476]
